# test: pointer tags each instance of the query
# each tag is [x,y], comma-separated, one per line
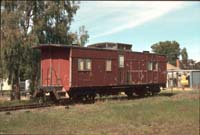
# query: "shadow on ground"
[115,98]
[167,94]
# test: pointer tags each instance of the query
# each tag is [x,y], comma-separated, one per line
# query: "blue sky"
[142,23]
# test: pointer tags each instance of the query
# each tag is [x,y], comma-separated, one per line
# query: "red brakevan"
[101,68]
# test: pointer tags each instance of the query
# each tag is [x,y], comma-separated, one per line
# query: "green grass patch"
[164,114]
[16,102]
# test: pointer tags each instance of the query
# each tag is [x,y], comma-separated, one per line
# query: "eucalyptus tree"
[28,23]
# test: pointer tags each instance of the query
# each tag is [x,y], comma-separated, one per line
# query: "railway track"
[39,105]
[20,107]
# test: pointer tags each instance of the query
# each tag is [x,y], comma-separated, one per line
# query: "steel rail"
[20,107]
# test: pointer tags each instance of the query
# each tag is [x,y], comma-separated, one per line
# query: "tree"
[10,44]
[184,54]
[169,48]
[52,20]
[81,37]
[27,23]
[1,69]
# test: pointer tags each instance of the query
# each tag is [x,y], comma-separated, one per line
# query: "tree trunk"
[15,93]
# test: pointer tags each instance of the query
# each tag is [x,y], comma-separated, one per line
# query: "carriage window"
[150,66]
[108,65]
[80,64]
[121,61]
[87,64]
[84,64]
[155,66]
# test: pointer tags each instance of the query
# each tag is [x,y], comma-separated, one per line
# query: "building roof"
[172,67]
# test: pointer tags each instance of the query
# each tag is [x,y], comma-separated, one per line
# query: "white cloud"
[103,19]
[109,17]
[145,15]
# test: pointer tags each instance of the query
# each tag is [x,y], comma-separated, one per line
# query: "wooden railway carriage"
[103,68]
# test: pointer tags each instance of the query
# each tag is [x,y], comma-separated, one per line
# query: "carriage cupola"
[111,45]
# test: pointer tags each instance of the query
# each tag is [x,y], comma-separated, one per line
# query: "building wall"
[4,85]
[175,78]
[195,79]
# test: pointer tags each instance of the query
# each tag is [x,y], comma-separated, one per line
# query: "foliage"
[1,71]
[81,37]
[184,54]
[11,43]
[28,23]
[169,48]
[52,20]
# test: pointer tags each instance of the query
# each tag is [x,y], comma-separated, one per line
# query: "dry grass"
[166,114]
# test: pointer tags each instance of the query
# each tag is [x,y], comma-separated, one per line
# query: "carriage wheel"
[141,92]
[155,90]
[129,94]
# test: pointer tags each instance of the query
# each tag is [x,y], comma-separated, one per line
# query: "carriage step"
[62,98]
[61,95]
[61,92]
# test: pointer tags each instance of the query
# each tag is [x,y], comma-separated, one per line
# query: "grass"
[166,114]
[16,102]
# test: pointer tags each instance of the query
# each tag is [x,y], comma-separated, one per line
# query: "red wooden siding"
[98,76]
[59,59]
[137,64]
[134,71]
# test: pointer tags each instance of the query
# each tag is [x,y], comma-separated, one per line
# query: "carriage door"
[52,68]
[155,72]
[121,65]
[128,74]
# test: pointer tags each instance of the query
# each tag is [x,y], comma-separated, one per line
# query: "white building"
[4,85]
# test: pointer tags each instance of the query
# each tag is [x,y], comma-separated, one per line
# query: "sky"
[141,23]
